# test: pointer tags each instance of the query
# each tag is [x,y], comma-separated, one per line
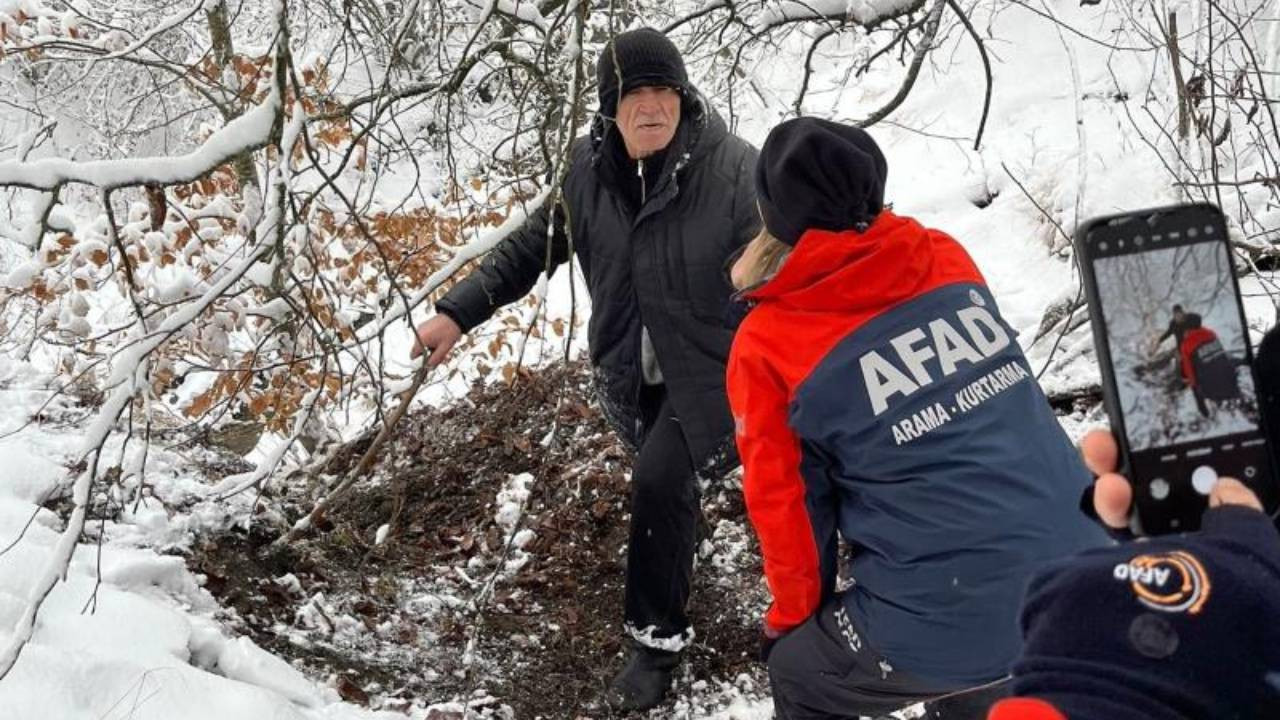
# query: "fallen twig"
[301,527]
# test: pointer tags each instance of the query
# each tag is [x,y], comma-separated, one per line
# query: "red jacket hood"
[850,271]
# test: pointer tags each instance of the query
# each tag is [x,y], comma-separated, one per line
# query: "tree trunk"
[224,55]
[1184,109]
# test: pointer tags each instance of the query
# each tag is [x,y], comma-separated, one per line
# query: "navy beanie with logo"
[1169,628]
[638,58]
[818,174]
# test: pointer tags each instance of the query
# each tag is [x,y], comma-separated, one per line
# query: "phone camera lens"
[1208,229]
[1138,241]
[1102,246]
[1120,244]
[1192,232]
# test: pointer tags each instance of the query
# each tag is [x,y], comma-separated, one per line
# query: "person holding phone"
[880,399]
[1178,627]
[1138,269]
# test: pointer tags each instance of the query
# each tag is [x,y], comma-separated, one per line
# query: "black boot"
[643,680]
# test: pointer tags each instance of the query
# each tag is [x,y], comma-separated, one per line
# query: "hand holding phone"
[1167,627]
[1175,360]
[1113,495]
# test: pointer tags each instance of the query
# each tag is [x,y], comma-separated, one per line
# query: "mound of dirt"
[497,587]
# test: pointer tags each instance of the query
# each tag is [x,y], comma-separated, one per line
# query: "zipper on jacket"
[640,174]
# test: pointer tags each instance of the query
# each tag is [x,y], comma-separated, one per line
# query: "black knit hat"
[819,174]
[644,57]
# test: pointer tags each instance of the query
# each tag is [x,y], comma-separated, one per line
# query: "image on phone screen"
[1178,348]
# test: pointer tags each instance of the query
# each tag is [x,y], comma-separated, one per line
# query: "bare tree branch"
[922,50]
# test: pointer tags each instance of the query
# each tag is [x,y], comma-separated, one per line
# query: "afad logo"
[1169,582]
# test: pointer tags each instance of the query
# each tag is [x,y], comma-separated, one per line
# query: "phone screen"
[1180,361]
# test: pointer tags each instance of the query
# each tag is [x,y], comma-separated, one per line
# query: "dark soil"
[547,638]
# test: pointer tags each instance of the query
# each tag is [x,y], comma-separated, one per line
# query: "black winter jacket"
[658,266]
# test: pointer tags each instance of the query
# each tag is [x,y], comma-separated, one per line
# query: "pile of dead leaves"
[519,614]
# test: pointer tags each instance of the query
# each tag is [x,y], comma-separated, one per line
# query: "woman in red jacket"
[880,399]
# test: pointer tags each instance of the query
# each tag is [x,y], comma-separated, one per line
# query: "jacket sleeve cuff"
[465,304]
[772,632]
[1243,524]
[773,620]
[452,313]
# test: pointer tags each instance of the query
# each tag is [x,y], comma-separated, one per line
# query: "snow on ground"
[141,643]
[145,644]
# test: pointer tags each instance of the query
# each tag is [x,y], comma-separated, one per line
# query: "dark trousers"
[665,506]
[825,670]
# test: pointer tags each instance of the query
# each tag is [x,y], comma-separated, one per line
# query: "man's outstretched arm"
[509,271]
[506,274]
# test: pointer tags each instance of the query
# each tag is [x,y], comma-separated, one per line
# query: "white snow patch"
[511,500]
[645,637]
[240,659]
[524,10]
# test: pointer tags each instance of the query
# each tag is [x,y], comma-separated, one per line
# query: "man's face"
[648,118]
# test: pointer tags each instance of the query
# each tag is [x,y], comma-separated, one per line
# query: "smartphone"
[1177,368]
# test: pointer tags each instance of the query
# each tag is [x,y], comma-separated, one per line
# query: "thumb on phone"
[1229,491]
[1112,493]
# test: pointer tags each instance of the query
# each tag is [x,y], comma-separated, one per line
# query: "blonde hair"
[764,256]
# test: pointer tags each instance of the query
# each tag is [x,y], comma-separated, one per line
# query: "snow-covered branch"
[867,13]
[247,133]
[165,25]
[132,365]
[60,558]
[923,47]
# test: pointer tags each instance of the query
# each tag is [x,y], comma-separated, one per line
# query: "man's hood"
[849,271]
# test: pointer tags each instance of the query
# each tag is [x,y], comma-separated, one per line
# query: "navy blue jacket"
[880,398]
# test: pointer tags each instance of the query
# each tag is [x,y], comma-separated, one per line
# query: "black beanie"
[645,57]
[819,174]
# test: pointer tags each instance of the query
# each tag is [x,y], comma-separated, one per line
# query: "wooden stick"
[301,527]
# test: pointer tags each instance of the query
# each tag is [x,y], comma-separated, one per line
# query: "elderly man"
[655,201]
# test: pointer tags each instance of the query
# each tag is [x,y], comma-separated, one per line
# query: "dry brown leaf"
[352,692]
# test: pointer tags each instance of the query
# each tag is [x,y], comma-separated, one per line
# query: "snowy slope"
[143,643]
